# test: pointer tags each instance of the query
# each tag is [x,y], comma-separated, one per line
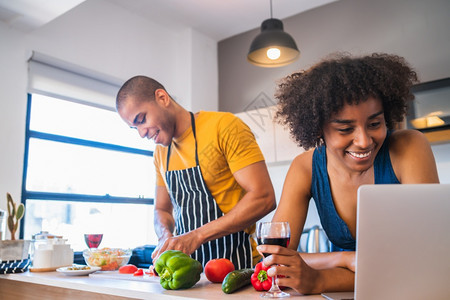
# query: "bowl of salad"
[108,259]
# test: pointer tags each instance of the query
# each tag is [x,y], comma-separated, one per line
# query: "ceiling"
[27,15]
[218,19]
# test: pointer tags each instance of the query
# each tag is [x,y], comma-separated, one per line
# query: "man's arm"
[163,219]
[257,202]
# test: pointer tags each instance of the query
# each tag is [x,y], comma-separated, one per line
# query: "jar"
[50,251]
[2,225]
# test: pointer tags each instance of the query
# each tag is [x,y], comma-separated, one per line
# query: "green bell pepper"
[177,270]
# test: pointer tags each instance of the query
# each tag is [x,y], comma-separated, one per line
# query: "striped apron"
[194,206]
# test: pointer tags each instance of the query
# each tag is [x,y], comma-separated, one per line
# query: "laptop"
[403,243]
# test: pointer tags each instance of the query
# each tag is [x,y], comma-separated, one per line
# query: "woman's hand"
[288,263]
[348,260]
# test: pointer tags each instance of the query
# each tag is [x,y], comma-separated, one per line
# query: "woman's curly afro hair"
[307,99]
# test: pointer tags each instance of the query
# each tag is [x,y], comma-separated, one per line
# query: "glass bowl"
[109,259]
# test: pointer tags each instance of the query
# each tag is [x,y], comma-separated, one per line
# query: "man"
[212,183]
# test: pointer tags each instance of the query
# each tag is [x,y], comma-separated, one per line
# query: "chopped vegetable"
[151,271]
[109,259]
[128,269]
[78,267]
[139,272]
[110,266]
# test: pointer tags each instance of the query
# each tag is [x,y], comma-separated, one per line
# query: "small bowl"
[108,259]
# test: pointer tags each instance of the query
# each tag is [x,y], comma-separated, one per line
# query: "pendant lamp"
[272,47]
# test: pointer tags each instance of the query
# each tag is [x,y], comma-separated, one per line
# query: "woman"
[346,108]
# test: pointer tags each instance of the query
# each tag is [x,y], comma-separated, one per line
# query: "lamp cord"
[271,9]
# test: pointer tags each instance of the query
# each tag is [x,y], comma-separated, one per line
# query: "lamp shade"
[272,47]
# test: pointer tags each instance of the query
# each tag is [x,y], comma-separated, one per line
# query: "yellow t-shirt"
[225,145]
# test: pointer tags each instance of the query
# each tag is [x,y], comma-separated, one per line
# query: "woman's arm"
[328,260]
[307,273]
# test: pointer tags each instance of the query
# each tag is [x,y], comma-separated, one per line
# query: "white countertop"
[142,288]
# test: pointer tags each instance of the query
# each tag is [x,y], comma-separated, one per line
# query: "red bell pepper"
[259,279]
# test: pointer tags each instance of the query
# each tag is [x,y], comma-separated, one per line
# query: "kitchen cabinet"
[285,147]
[260,122]
[273,139]
[430,110]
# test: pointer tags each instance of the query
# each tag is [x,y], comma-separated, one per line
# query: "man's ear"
[162,97]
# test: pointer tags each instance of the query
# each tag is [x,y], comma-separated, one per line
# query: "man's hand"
[187,243]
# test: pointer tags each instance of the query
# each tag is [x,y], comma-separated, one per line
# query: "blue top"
[335,228]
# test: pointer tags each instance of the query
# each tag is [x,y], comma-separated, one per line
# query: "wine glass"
[93,240]
[273,233]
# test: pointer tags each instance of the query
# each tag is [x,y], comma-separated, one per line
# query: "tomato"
[128,269]
[217,269]
[139,272]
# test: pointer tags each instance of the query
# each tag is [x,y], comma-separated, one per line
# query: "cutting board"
[117,275]
[32,269]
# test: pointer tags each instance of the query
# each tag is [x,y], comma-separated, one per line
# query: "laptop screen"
[403,242]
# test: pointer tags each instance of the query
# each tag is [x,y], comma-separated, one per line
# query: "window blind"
[56,78]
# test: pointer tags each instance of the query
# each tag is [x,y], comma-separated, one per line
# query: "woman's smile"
[360,155]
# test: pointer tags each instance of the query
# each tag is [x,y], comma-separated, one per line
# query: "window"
[86,171]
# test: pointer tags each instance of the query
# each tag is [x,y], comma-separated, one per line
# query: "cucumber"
[236,279]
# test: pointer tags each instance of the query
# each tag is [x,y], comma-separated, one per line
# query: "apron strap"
[195,139]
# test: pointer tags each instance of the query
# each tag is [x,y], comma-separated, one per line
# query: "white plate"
[66,271]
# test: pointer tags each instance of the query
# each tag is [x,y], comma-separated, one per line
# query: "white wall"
[415,29]
[12,113]
[442,155]
[194,78]
[103,37]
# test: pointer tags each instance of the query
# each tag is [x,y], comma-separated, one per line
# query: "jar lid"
[44,235]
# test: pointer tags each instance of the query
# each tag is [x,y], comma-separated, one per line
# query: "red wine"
[283,242]
[93,240]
